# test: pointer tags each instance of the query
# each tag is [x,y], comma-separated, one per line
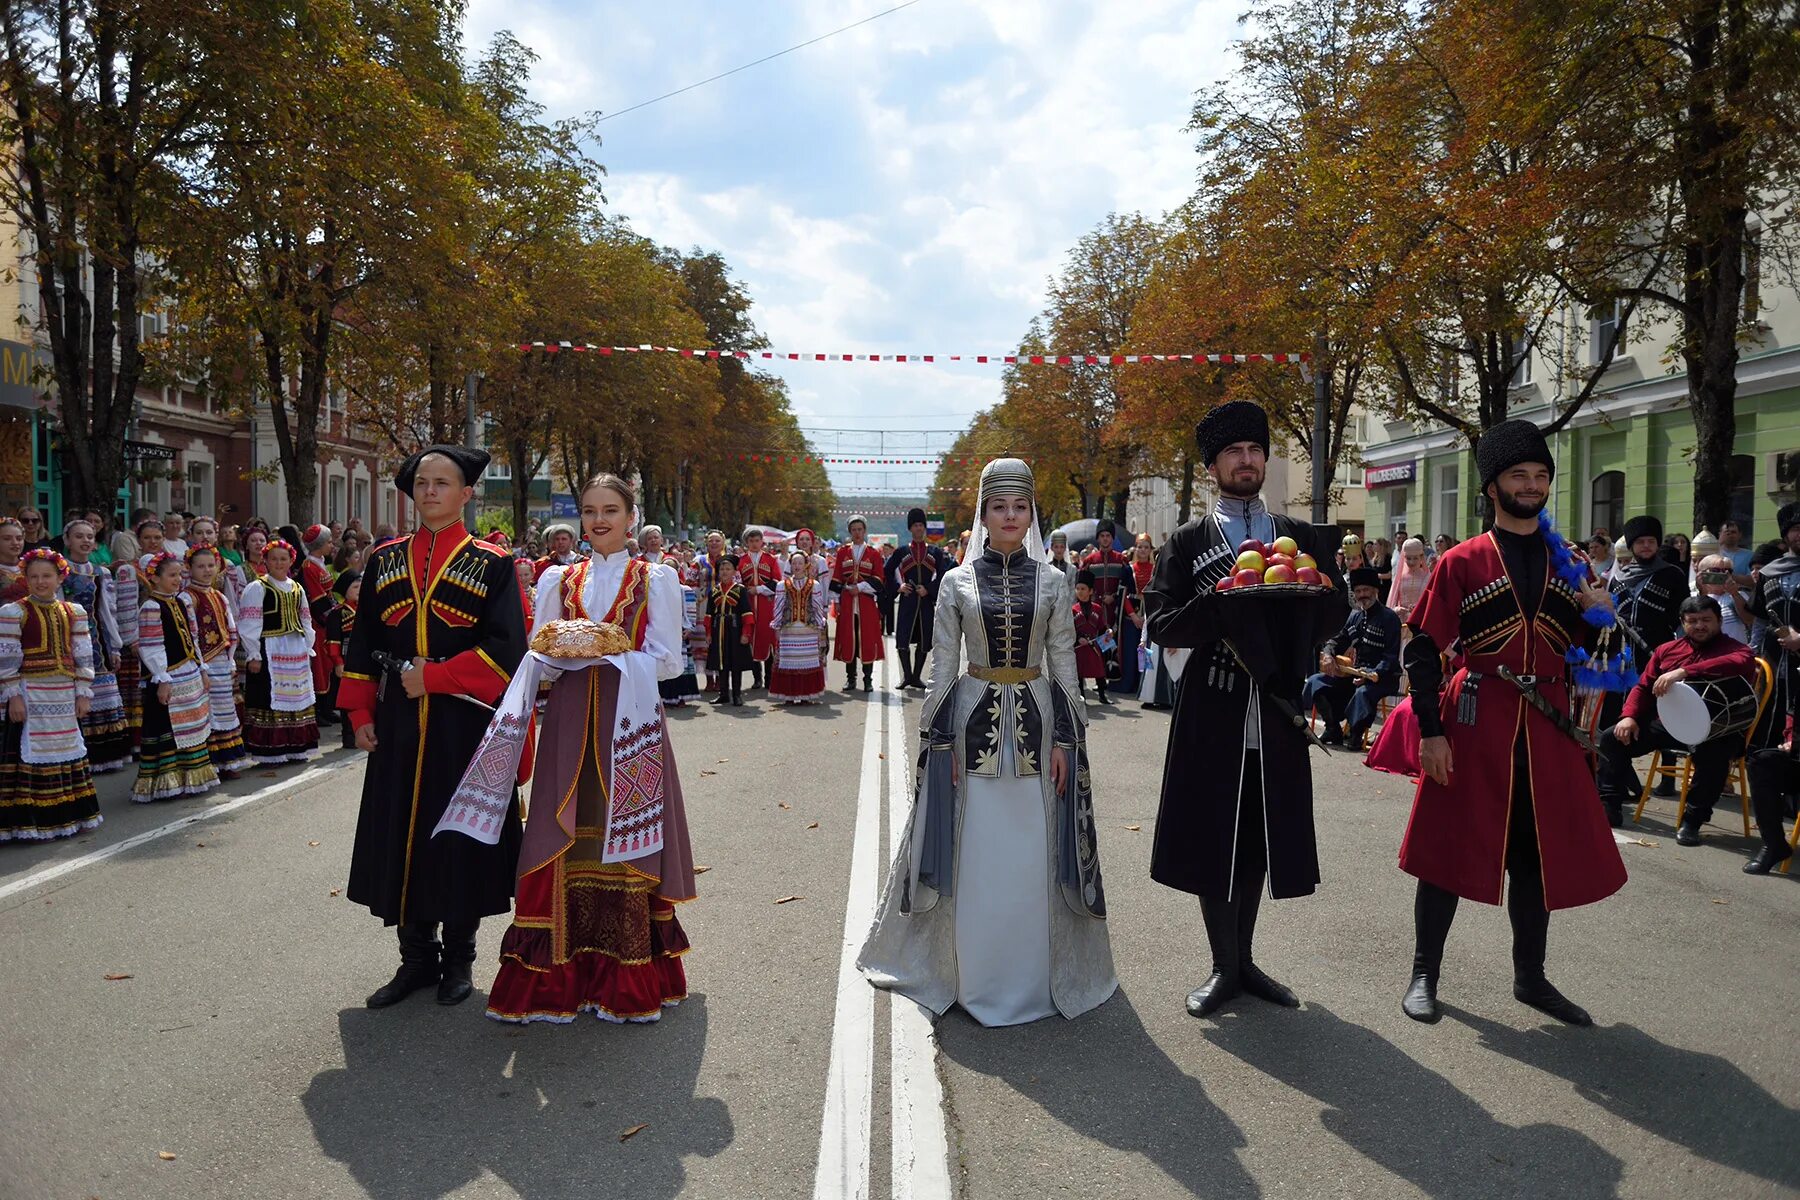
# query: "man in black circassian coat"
[1236,806]
[450,608]
[913,573]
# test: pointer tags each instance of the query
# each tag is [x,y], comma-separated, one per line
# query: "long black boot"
[1433,911]
[1255,980]
[419,965]
[849,677]
[868,678]
[459,962]
[1224,983]
[1531,941]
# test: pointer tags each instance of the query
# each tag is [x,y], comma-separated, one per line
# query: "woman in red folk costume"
[605,857]
[760,573]
[856,577]
[1507,787]
[46,687]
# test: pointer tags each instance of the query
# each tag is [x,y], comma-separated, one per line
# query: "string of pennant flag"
[1063,360]
[873,461]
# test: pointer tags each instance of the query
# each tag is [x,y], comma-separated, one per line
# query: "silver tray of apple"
[1275,569]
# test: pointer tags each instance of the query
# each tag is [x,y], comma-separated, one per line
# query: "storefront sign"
[563,505]
[20,386]
[143,450]
[1391,475]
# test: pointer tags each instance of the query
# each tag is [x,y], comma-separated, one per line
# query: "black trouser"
[1619,782]
[731,684]
[1231,923]
[912,660]
[1434,908]
[1773,775]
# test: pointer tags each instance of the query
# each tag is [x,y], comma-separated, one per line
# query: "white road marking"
[921,1162]
[844,1135]
[37,878]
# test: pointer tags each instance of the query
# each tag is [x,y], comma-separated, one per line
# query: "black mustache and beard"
[1523,509]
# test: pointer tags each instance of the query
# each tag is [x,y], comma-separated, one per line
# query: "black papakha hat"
[1365,577]
[1507,445]
[915,516]
[1084,576]
[1228,424]
[1639,527]
[469,461]
[1787,518]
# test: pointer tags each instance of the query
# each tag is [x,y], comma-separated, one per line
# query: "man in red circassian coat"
[856,577]
[1504,790]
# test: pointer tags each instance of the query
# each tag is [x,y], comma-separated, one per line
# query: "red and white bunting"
[1061,360]
[868,461]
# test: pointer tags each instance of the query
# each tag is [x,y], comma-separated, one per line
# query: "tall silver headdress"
[1008,477]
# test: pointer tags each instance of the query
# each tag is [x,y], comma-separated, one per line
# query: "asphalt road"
[239,1043]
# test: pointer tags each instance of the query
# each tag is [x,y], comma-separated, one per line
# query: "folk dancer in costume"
[444,634]
[1773,767]
[12,570]
[105,728]
[173,759]
[606,855]
[759,571]
[559,539]
[275,625]
[1775,612]
[1228,825]
[856,578]
[46,690]
[1409,579]
[706,578]
[1371,639]
[1059,556]
[684,687]
[1090,627]
[1113,583]
[732,612]
[798,672]
[1646,590]
[216,642]
[1506,788]
[807,542]
[128,598]
[1702,651]
[315,580]
[913,573]
[340,623]
[995,900]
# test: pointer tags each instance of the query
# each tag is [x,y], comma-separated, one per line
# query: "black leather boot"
[1767,859]
[1254,980]
[868,678]
[459,962]
[1531,940]
[419,965]
[849,677]
[1433,911]
[1222,986]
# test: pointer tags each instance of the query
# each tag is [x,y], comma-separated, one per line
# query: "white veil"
[1008,476]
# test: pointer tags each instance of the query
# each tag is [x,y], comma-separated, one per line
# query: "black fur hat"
[1639,527]
[1507,445]
[1228,424]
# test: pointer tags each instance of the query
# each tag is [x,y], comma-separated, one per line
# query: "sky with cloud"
[905,187]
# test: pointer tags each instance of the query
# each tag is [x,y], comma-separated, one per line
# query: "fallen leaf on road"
[789,899]
[201,845]
[335,891]
[814,825]
[1135,828]
[1720,900]
[704,771]
[312,843]
[165,1156]
[269,774]
[784,804]
[116,976]
[632,1132]
[723,760]
[1643,842]
[881,756]
[701,870]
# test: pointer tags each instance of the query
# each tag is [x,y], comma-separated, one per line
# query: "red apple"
[1279,574]
[1249,560]
[1225,584]
[1252,544]
[1281,560]
[1308,575]
[1304,560]
[1247,578]
[1285,545]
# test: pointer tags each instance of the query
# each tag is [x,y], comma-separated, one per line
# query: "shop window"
[1608,502]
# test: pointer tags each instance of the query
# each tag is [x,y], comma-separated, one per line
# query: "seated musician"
[1371,638]
[1702,651]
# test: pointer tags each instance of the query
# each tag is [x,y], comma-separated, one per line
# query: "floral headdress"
[45,554]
